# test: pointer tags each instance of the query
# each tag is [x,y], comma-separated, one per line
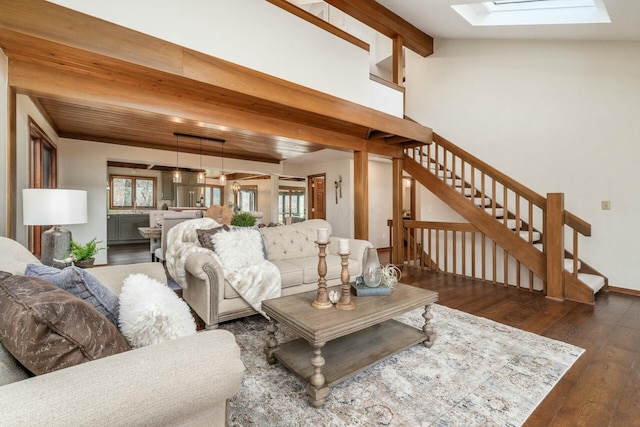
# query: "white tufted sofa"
[291,248]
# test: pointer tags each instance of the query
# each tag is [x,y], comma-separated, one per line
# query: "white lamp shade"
[53,206]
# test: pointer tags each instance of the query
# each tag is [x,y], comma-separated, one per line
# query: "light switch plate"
[606,205]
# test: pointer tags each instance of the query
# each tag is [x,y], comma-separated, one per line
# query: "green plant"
[80,252]
[243,219]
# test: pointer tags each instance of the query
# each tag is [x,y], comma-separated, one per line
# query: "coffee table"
[336,344]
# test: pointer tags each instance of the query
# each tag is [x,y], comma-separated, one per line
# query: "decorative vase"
[371,270]
[85,263]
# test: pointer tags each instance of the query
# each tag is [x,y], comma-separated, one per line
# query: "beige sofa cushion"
[293,241]
[290,274]
[309,267]
[10,369]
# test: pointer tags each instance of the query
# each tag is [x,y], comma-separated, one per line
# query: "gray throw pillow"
[82,284]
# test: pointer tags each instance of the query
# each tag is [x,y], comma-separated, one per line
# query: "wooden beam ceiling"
[93,75]
[386,22]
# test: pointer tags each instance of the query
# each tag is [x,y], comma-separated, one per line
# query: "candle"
[343,246]
[323,235]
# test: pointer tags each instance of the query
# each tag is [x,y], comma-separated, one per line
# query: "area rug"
[477,373]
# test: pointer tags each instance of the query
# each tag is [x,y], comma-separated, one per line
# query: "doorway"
[317,196]
[43,173]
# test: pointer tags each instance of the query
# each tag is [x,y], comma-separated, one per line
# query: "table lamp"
[55,207]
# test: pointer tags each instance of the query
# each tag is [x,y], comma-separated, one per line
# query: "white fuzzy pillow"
[238,248]
[151,312]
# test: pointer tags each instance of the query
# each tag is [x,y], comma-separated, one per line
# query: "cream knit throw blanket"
[254,283]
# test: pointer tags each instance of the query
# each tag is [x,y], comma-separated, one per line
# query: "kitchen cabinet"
[112,228]
[123,228]
[189,178]
[168,187]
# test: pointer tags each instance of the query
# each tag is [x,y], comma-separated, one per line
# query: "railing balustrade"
[515,206]
[460,249]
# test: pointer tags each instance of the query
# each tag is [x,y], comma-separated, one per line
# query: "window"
[213,195]
[132,192]
[533,12]
[248,198]
[291,203]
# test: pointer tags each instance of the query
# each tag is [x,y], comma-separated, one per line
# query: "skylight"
[533,12]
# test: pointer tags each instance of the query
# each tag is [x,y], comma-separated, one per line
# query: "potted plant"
[83,255]
[243,219]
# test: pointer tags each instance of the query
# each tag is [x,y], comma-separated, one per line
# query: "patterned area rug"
[478,373]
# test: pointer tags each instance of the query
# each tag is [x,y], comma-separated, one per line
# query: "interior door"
[317,197]
[42,174]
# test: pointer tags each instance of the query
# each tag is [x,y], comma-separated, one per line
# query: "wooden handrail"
[570,219]
[449,226]
[442,167]
[578,224]
[507,181]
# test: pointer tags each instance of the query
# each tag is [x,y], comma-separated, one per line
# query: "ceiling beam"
[39,80]
[386,22]
[110,41]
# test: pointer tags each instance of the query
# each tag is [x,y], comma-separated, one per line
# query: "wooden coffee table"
[336,344]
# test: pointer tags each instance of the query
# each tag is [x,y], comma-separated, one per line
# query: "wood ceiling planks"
[103,82]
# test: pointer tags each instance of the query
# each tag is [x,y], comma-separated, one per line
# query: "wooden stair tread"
[499,213]
[568,264]
[535,235]
[591,280]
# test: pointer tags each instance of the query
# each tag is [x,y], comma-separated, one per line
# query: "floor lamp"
[55,207]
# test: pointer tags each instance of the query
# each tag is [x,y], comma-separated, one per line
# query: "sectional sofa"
[186,381]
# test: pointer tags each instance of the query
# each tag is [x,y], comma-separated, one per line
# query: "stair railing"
[514,205]
[460,249]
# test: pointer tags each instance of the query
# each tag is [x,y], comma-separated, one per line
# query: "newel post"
[554,239]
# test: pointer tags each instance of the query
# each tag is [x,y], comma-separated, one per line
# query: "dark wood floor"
[134,253]
[603,386]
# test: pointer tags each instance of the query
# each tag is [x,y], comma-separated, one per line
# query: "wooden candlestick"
[345,302]
[322,299]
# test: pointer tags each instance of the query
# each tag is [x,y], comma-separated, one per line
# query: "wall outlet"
[606,205]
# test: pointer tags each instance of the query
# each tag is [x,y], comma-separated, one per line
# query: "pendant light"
[222,179]
[177,174]
[202,176]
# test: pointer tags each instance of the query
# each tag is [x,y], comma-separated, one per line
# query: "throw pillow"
[151,312]
[205,236]
[239,249]
[46,328]
[81,283]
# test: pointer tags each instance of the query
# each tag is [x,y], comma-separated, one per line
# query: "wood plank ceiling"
[97,81]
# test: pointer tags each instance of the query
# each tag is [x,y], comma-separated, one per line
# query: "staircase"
[527,226]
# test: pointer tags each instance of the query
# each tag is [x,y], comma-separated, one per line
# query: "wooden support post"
[398,60]
[361,195]
[554,238]
[11,199]
[398,230]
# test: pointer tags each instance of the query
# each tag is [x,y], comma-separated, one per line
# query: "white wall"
[339,215]
[380,202]
[26,109]
[252,33]
[386,99]
[558,116]
[4,138]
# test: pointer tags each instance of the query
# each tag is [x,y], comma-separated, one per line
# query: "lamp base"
[55,245]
